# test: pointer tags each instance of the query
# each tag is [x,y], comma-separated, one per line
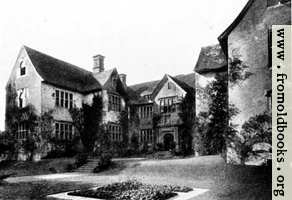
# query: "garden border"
[181,195]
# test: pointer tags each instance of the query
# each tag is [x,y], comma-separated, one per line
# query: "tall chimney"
[123,78]
[98,63]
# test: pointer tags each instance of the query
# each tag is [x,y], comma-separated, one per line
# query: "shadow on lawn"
[244,183]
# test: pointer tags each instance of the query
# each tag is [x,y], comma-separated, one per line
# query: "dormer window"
[22,68]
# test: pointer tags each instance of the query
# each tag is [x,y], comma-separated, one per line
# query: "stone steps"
[88,167]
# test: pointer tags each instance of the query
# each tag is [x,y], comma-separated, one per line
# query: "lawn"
[224,181]
[46,166]
[37,190]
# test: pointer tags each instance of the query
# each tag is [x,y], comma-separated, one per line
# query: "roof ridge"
[59,60]
[60,73]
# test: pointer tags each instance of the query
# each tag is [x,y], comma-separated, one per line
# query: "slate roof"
[211,59]
[186,81]
[62,74]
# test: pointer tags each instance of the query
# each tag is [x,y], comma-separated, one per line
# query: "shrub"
[70,167]
[53,170]
[104,163]
[160,147]
[81,159]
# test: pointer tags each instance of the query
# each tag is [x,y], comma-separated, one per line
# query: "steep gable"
[104,76]
[62,74]
[149,87]
[211,59]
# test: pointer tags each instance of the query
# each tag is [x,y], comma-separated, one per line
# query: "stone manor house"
[51,84]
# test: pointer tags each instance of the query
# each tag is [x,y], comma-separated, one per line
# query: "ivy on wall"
[238,72]
[40,127]
[87,120]
[187,115]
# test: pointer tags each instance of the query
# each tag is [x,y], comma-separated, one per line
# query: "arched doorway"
[168,141]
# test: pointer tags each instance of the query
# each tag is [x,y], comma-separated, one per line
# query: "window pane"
[71,100]
[66,100]
[57,98]
[62,98]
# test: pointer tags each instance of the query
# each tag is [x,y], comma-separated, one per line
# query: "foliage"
[104,162]
[11,109]
[133,190]
[124,122]
[257,129]
[63,148]
[238,71]
[202,125]
[8,144]
[155,121]
[187,115]
[81,159]
[87,121]
[134,142]
[40,127]
[214,140]
[103,144]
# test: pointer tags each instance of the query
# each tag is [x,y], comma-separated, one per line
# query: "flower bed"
[132,190]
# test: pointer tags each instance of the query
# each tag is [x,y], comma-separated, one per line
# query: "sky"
[144,39]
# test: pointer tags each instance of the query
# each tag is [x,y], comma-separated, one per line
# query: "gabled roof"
[186,81]
[186,87]
[223,37]
[62,74]
[104,76]
[141,87]
[211,59]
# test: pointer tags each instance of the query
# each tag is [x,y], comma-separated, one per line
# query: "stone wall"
[249,43]
[48,93]
[31,80]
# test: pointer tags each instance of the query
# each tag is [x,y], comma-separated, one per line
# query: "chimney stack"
[98,63]
[123,78]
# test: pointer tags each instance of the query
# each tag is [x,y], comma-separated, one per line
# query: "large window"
[22,95]
[64,130]
[114,103]
[64,99]
[167,105]
[115,132]
[146,111]
[22,131]
[146,135]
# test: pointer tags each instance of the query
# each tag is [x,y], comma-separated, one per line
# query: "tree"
[124,122]
[8,144]
[218,115]
[257,129]
[155,121]
[187,115]
[87,121]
